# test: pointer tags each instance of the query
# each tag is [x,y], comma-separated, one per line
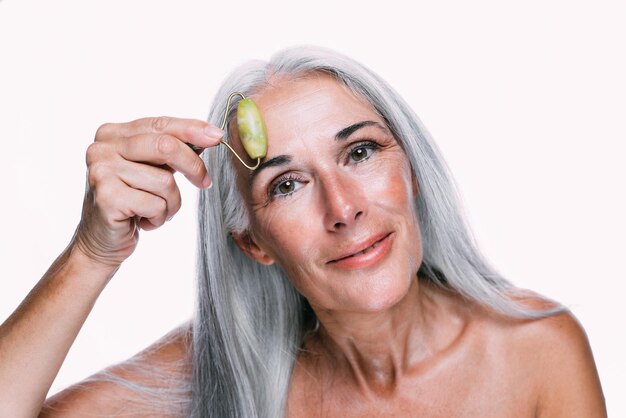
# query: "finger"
[143,223]
[159,149]
[192,131]
[158,181]
[121,202]
[146,225]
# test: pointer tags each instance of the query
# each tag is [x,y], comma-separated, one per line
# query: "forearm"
[35,339]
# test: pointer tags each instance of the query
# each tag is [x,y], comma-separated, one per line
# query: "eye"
[359,154]
[285,186]
[362,151]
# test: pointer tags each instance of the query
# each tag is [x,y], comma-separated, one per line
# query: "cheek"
[288,234]
[393,196]
[389,185]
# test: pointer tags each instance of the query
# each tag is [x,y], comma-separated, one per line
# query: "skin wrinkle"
[288,97]
[375,324]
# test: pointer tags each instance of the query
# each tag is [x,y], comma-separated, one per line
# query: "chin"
[380,293]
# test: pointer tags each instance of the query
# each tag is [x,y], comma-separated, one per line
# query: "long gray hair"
[250,321]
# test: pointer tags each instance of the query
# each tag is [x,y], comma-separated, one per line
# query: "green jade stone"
[252,131]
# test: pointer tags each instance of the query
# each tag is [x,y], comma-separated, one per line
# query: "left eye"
[286,187]
[361,153]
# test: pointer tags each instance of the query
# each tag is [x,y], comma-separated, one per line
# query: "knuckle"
[162,207]
[174,203]
[166,145]
[197,167]
[95,152]
[160,123]
[167,180]
[104,131]
[159,208]
[105,195]
[96,172]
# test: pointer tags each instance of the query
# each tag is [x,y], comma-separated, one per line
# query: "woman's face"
[333,201]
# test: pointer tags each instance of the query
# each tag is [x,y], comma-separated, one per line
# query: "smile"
[366,257]
[365,250]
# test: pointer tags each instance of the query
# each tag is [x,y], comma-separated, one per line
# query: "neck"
[377,350]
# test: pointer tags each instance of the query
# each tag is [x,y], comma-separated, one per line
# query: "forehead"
[310,108]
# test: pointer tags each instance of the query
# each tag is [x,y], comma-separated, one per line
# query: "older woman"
[337,279]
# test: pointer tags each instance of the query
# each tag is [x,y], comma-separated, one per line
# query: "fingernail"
[207,182]
[213,132]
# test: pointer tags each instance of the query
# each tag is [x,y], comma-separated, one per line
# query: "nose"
[343,201]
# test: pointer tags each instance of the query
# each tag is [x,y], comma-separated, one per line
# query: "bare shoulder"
[555,350]
[113,391]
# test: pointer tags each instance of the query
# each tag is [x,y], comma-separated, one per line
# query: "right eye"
[286,186]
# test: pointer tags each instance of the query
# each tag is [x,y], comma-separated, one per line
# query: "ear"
[246,243]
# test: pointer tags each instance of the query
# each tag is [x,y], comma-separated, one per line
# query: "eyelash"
[280,180]
[367,144]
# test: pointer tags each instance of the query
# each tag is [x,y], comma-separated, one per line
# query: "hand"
[130,181]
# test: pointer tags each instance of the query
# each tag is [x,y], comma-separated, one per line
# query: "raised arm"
[130,186]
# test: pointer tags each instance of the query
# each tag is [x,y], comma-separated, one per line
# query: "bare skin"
[388,344]
[130,186]
[482,367]
[98,397]
[479,366]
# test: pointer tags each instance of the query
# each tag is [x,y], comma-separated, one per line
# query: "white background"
[527,101]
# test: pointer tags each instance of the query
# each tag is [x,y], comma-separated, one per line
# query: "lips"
[361,248]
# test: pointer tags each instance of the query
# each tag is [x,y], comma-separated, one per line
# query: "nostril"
[359,213]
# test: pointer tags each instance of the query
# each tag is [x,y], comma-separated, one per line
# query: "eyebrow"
[286,159]
[346,132]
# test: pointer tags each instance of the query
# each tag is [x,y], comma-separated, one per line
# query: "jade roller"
[251,128]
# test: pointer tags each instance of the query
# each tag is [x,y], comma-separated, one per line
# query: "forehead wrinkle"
[292,99]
